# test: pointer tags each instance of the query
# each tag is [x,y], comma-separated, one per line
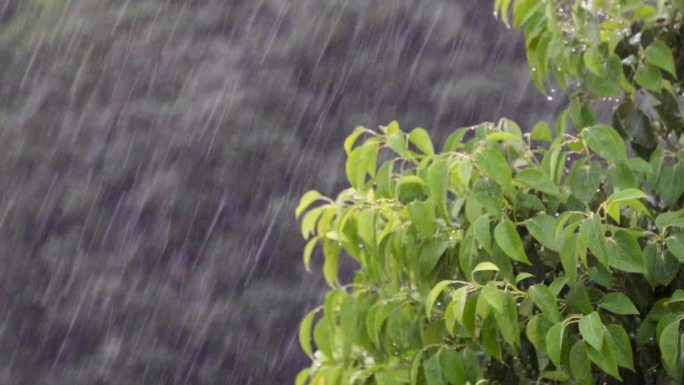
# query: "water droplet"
[549,98]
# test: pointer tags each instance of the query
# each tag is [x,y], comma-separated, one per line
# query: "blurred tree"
[151,152]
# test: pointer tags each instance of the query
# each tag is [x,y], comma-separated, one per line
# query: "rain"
[153,152]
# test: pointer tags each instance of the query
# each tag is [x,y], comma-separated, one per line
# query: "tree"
[548,257]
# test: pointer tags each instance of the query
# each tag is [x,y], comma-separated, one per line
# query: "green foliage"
[626,51]
[548,258]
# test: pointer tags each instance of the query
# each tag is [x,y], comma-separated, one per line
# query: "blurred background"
[153,151]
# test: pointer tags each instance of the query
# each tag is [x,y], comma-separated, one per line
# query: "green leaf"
[538,180]
[507,319]
[432,369]
[677,296]
[592,330]
[605,359]
[541,132]
[397,142]
[668,342]
[568,257]
[626,195]
[410,188]
[414,372]
[430,255]
[584,181]
[485,266]
[580,366]
[605,142]
[594,61]
[305,333]
[675,244]
[482,232]
[351,139]
[649,77]
[507,237]
[618,303]
[490,339]
[489,195]
[307,199]
[542,229]
[546,301]
[438,182]
[593,235]
[667,218]
[432,296]
[421,139]
[621,345]
[495,165]
[554,343]
[308,250]
[660,55]
[624,252]
[493,296]
[422,217]
[456,308]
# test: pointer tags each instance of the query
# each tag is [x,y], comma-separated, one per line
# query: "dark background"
[153,151]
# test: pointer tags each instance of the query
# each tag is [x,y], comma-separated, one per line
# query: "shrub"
[510,258]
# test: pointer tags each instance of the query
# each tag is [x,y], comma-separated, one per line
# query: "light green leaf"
[351,139]
[675,244]
[554,343]
[649,77]
[618,303]
[495,165]
[455,309]
[568,257]
[421,139]
[593,235]
[305,333]
[422,217]
[485,266]
[660,55]
[626,195]
[432,296]
[541,132]
[308,250]
[594,61]
[668,342]
[307,199]
[397,142]
[493,296]
[538,180]
[438,182]
[507,237]
[482,232]
[591,328]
